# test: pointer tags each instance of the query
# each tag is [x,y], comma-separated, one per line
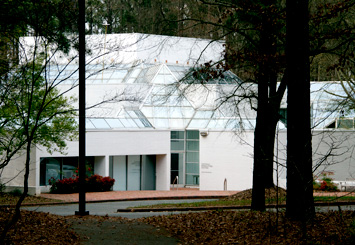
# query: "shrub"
[325,184]
[64,186]
[94,183]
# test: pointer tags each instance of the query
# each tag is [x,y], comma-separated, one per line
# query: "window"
[185,157]
[62,167]
[192,157]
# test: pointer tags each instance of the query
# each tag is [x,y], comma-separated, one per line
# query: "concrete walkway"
[140,195]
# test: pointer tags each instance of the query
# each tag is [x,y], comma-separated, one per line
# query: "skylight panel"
[99,123]
[198,123]
[128,123]
[203,114]
[89,124]
[161,123]
[114,123]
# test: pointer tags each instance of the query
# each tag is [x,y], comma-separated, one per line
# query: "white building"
[154,132]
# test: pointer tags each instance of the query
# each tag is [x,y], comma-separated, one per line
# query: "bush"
[99,183]
[325,184]
[94,183]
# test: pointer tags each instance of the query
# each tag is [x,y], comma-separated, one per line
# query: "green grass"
[223,202]
[333,199]
[203,204]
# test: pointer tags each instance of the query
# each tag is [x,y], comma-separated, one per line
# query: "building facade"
[152,123]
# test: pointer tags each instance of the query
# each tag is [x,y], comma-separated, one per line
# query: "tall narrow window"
[192,157]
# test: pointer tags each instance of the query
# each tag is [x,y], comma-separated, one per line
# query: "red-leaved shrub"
[94,183]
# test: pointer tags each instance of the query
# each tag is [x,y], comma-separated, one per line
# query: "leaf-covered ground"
[212,227]
[38,228]
[246,227]
[8,199]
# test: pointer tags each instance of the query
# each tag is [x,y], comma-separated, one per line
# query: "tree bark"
[300,204]
[264,134]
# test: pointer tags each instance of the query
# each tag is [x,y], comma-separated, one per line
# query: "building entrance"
[133,173]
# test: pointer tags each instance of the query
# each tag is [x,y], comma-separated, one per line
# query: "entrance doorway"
[177,168]
[132,173]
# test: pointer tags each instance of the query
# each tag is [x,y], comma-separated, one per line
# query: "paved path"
[107,203]
[109,208]
[141,195]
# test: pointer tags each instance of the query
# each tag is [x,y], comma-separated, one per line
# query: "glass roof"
[165,105]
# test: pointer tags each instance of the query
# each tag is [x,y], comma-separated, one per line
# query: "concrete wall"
[333,152]
[163,172]
[223,155]
[13,174]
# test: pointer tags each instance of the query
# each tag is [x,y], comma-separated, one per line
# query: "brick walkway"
[151,195]
[140,195]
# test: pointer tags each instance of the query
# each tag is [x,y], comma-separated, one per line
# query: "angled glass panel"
[114,123]
[147,111]
[161,123]
[106,74]
[233,124]
[119,74]
[160,111]
[138,123]
[177,123]
[135,72]
[99,123]
[218,123]
[187,112]
[128,123]
[89,124]
[132,113]
[131,80]
[198,123]
[145,122]
[203,114]
[176,112]
[249,124]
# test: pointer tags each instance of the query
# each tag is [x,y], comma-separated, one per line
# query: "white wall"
[224,156]
[333,148]
[103,144]
[163,172]
[13,174]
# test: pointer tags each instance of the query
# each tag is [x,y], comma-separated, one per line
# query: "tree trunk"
[300,204]
[263,140]
[17,214]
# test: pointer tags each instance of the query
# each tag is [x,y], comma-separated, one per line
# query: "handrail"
[176,179]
